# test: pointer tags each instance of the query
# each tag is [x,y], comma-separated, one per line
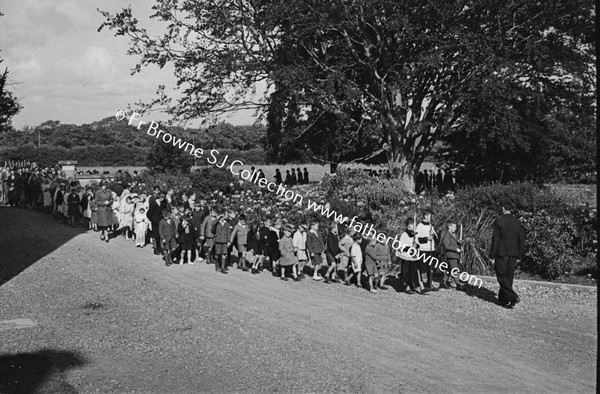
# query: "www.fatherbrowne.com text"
[366,229]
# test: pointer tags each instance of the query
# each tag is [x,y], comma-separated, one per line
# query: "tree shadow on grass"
[41,371]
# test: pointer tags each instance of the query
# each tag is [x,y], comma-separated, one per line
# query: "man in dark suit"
[154,215]
[508,246]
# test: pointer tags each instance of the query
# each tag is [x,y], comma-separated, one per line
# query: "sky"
[61,68]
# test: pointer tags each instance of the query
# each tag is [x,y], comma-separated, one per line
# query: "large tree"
[9,106]
[404,74]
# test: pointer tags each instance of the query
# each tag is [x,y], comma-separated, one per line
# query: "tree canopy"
[378,78]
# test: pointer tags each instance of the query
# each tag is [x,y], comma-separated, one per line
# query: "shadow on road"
[21,248]
[42,371]
[481,293]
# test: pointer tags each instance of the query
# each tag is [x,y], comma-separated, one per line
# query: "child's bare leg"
[382,281]
[329,271]
[420,277]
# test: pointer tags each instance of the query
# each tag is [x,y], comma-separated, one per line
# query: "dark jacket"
[222,232]
[273,245]
[263,239]
[508,238]
[450,244]
[206,228]
[154,213]
[253,243]
[197,219]
[314,244]
[167,229]
[333,244]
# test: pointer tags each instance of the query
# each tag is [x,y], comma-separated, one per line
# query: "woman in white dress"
[46,196]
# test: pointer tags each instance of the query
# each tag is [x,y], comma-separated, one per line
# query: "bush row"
[561,233]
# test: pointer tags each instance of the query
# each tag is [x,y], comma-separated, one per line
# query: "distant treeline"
[108,142]
[105,155]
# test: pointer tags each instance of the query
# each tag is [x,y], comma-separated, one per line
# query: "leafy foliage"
[92,155]
[561,235]
[168,158]
[9,106]
[210,179]
[391,77]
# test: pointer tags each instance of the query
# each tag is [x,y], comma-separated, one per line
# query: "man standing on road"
[508,247]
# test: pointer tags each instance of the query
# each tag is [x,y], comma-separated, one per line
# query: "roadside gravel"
[113,318]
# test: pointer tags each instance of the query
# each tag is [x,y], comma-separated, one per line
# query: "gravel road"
[99,317]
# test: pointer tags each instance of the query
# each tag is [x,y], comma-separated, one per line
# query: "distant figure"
[426,180]
[294,179]
[299,175]
[278,179]
[288,177]
[419,182]
[253,177]
[439,181]
[448,181]
[261,174]
[305,177]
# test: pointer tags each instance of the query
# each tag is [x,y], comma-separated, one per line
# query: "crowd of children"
[187,231]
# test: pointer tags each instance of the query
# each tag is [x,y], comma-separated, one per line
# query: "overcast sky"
[63,69]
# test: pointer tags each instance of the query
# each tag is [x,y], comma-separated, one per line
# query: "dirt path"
[113,318]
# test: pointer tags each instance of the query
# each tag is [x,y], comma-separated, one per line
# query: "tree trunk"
[332,165]
[401,168]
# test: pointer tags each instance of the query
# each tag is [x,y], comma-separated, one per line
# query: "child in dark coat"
[315,248]
[222,231]
[187,239]
[73,201]
[452,249]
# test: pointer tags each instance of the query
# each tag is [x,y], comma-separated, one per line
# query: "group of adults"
[293,177]
[430,181]
[27,185]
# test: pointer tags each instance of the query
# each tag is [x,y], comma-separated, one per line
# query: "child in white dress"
[140,226]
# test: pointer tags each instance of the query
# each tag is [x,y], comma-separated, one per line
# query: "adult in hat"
[104,200]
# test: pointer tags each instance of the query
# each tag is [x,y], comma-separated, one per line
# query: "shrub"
[209,179]
[252,156]
[548,253]
[561,236]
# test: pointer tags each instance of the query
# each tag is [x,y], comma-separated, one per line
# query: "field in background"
[315,171]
